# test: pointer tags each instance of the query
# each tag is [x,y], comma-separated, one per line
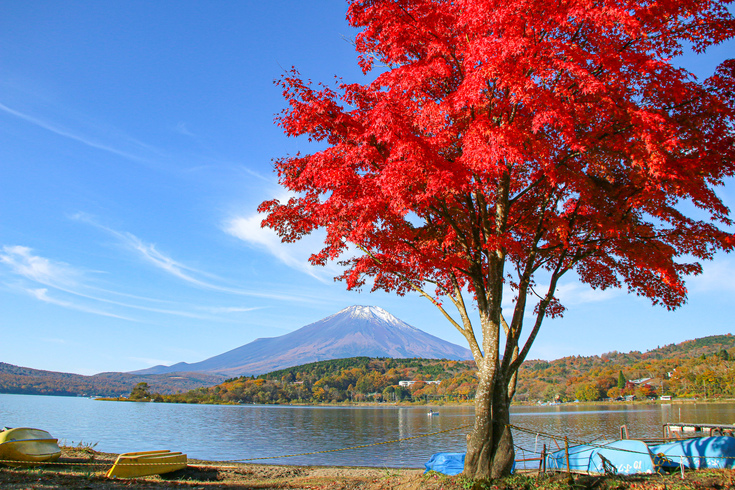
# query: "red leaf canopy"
[502,138]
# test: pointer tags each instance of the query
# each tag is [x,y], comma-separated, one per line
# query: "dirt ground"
[84,468]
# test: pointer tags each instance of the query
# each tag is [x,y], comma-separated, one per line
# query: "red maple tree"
[506,143]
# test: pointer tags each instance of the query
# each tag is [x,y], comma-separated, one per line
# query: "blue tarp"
[450,463]
[622,457]
[446,463]
[697,453]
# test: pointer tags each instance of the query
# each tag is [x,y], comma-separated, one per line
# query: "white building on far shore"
[406,384]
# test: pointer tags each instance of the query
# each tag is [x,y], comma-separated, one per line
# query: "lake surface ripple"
[245,432]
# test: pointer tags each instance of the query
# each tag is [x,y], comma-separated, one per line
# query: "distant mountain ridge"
[23,380]
[354,331]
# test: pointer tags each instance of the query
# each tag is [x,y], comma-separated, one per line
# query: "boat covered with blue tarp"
[697,453]
[622,457]
[446,463]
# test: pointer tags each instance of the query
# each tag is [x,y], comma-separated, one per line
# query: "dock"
[683,430]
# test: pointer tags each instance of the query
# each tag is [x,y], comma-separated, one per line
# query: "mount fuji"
[354,331]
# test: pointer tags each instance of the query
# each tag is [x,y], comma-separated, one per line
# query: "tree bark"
[490,452]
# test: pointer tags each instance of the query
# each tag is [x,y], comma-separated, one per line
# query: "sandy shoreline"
[83,467]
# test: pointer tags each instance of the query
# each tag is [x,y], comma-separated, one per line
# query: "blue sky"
[136,141]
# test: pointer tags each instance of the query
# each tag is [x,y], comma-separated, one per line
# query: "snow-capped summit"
[372,313]
[354,331]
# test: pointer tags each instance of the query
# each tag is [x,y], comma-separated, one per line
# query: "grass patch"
[699,480]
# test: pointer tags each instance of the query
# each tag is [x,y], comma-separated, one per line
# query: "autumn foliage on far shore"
[701,368]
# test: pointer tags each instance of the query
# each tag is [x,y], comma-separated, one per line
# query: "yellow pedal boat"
[23,445]
[145,463]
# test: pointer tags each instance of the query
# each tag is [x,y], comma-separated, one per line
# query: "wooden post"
[566,454]
[542,463]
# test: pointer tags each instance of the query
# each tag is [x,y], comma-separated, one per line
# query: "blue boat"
[697,453]
[446,463]
[621,457]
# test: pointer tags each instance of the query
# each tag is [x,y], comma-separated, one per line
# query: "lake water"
[245,432]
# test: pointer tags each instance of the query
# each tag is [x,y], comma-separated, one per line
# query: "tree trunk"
[490,452]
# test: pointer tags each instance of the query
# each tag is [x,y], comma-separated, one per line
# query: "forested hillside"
[22,380]
[355,379]
[696,368]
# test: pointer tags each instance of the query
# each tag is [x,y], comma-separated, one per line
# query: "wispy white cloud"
[232,170]
[150,254]
[67,133]
[53,340]
[136,297]
[576,293]
[229,309]
[183,129]
[23,262]
[70,281]
[717,276]
[293,255]
[181,313]
[195,277]
[41,294]
[569,294]
[248,229]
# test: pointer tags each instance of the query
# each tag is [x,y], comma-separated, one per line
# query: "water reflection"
[245,432]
